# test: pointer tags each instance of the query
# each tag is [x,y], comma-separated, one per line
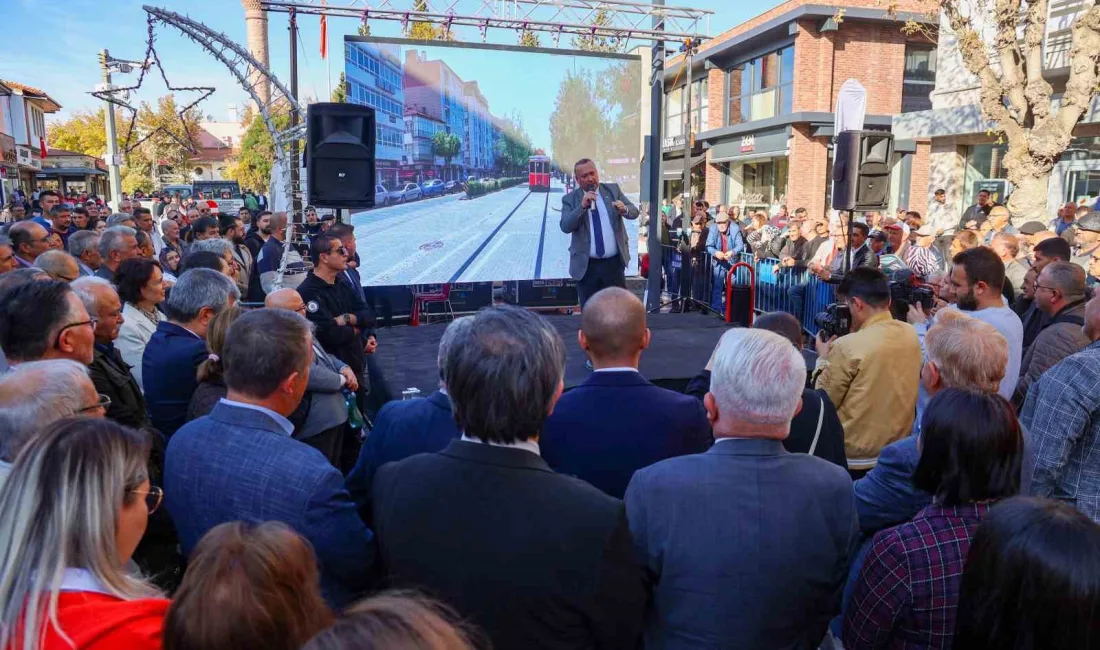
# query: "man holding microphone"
[593,214]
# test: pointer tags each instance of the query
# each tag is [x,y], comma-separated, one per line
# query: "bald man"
[59,265]
[617,422]
[327,416]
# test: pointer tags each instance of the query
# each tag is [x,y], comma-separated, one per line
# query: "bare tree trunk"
[1029,200]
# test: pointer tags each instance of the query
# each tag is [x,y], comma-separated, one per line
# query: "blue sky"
[62,38]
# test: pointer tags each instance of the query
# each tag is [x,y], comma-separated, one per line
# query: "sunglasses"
[341,250]
[153,497]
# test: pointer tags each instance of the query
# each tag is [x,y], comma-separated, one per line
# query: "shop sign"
[748,143]
[25,156]
[749,199]
[674,143]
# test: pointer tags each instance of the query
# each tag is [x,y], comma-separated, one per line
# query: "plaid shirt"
[908,589]
[1061,417]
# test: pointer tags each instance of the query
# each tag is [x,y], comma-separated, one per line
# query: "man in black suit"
[617,422]
[407,427]
[536,559]
[593,214]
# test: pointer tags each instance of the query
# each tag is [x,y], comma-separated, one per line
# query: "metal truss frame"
[621,21]
[251,74]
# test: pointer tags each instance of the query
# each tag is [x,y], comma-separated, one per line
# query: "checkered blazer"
[908,589]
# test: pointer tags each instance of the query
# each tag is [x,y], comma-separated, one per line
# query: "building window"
[919,78]
[757,184]
[761,88]
[675,106]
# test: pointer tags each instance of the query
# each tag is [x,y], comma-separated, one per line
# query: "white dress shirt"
[283,423]
[610,246]
[526,445]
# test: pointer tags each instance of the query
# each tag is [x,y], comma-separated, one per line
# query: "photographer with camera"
[871,374]
[976,280]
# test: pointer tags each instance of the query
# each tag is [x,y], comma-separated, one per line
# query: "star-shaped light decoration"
[153,59]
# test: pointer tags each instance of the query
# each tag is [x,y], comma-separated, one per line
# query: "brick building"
[762,103]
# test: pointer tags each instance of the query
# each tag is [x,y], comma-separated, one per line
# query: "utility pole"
[656,98]
[113,170]
[295,158]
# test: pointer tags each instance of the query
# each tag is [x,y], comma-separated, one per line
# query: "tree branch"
[976,58]
[1083,57]
[1007,16]
[1037,91]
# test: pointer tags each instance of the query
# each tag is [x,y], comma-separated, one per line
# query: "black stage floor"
[679,348]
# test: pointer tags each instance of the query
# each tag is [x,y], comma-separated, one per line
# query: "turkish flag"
[324,36]
[42,147]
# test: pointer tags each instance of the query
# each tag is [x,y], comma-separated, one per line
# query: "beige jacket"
[872,376]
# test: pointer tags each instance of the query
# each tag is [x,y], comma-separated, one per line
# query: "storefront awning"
[750,157]
[53,172]
[673,169]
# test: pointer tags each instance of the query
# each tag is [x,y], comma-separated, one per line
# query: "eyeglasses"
[341,250]
[102,402]
[90,321]
[153,497]
[1039,286]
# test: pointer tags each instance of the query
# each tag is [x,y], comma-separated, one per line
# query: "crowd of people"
[194,458]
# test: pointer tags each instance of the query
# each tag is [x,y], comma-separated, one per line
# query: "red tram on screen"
[539,170]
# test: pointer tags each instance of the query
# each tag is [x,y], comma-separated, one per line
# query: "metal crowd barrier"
[773,287]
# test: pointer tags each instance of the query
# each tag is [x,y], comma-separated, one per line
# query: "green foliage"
[137,175]
[597,116]
[514,146]
[340,92]
[252,166]
[527,38]
[592,43]
[364,29]
[169,144]
[85,132]
[446,145]
[478,188]
[425,31]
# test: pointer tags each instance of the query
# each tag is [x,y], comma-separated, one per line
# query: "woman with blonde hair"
[211,384]
[396,621]
[72,511]
[248,586]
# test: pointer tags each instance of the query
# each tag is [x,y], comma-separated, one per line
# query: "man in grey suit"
[747,545]
[593,214]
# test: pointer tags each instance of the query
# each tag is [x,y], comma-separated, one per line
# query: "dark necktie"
[597,230]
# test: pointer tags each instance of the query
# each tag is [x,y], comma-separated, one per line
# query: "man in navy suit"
[616,422]
[408,427]
[747,545]
[534,558]
[240,463]
[178,345]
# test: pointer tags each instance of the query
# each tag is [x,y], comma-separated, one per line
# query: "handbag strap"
[820,419]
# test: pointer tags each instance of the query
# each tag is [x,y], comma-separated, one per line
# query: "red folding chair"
[422,300]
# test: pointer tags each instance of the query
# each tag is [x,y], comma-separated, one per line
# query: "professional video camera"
[905,290]
[836,320]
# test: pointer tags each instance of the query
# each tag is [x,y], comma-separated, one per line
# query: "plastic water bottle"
[355,416]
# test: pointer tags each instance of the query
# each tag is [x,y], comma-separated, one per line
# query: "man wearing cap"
[1087,239]
[724,244]
[921,257]
[878,241]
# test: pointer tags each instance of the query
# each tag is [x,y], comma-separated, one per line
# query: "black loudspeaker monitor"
[861,170]
[340,156]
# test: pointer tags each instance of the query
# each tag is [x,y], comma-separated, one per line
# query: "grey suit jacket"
[574,221]
[747,546]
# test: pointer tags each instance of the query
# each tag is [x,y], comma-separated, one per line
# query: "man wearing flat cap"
[1087,239]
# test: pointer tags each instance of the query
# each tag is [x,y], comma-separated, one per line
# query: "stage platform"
[679,348]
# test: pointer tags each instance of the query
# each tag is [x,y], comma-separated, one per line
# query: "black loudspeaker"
[340,156]
[861,170]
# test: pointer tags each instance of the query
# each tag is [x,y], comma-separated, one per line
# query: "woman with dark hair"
[211,388]
[170,264]
[72,511]
[908,588]
[1032,580]
[140,284]
[247,586]
[396,621]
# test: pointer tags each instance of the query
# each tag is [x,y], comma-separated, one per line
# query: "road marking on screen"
[468,262]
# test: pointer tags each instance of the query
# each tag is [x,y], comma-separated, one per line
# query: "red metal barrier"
[729,291]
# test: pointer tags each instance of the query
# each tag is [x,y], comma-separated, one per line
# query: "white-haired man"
[38,393]
[748,545]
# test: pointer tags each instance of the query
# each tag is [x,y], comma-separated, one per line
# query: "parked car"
[381,196]
[433,187]
[410,192]
[452,186]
